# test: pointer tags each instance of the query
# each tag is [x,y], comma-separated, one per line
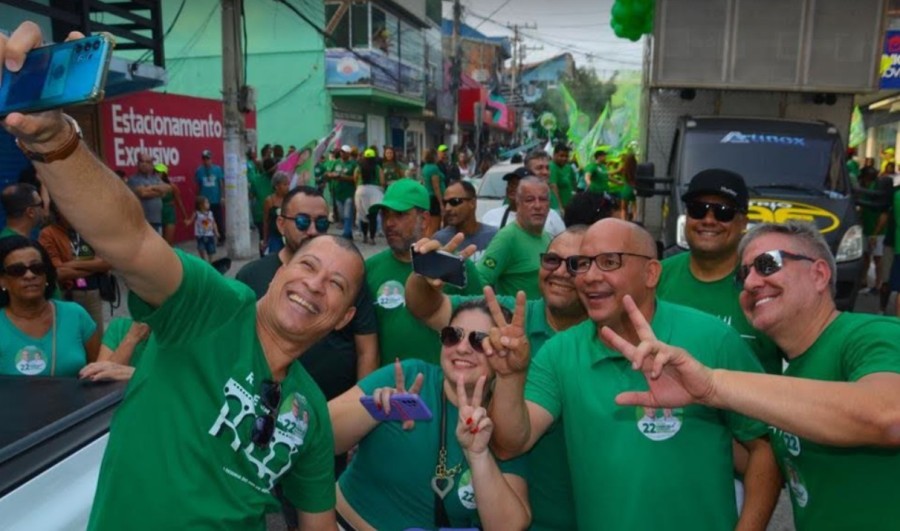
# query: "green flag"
[857,128]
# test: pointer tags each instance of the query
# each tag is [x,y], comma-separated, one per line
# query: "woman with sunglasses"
[39,336]
[437,473]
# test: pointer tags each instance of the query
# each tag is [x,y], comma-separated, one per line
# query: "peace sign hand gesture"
[675,378]
[474,427]
[382,395]
[507,348]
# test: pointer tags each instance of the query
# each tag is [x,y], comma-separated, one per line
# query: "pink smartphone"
[404,406]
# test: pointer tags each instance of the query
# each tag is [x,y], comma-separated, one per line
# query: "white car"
[492,188]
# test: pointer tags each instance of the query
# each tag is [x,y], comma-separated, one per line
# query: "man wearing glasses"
[678,459]
[24,210]
[558,309]
[459,216]
[716,205]
[834,415]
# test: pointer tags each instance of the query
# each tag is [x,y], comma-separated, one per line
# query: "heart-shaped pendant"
[436,486]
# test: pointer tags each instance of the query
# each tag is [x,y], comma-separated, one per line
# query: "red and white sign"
[173,129]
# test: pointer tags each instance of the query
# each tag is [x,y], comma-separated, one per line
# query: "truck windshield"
[790,164]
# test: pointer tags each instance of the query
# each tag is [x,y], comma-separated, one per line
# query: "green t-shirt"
[388,481]
[721,299]
[24,355]
[400,335]
[179,454]
[869,216]
[429,171]
[261,188]
[549,482]
[117,330]
[512,260]
[564,179]
[620,456]
[344,190]
[392,171]
[843,488]
[8,232]
[599,177]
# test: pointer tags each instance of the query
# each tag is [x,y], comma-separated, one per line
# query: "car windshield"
[492,184]
[768,162]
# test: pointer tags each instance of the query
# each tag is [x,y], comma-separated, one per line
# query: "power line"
[146,54]
[494,12]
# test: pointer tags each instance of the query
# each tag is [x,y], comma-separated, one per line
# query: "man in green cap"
[404,212]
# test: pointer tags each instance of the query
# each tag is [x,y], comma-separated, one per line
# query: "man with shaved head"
[513,258]
[679,459]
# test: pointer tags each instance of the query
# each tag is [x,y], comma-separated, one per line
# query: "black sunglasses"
[723,213]
[456,201]
[580,264]
[264,425]
[552,261]
[303,221]
[19,270]
[766,264]
[452,335]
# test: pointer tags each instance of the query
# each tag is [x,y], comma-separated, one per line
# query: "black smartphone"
[440,265]
[58,75]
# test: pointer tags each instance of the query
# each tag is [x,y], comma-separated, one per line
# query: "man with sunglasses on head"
[459,216]
[558,309]
[196,443]
[716,204]
[622,458]
[834,415]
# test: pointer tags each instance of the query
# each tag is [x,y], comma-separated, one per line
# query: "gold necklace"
[442,482]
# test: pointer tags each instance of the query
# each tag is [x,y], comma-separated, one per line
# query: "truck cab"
[794,170]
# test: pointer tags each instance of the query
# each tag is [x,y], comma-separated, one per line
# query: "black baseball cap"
[518,173]
[719,182]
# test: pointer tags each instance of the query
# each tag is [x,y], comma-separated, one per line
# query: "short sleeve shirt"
[23,355]
[645,453]
[512,260]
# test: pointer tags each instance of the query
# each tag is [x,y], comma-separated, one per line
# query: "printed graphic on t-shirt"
[791,441]
[391,295]
[466,491]
[659,424]
[294,416]
[30,361]
[241,405]
[796,483]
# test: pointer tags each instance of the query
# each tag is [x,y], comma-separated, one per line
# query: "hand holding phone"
[404,406]
[440,265]
[58,75]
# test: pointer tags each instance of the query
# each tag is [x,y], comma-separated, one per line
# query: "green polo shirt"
[564,179]
[549,484]
[637,468]
[512,260]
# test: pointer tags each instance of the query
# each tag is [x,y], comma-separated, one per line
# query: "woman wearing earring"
[39,336]
[436,473]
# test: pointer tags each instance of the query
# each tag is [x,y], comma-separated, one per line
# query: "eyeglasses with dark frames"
[303,222]
[722,213]
[264,425]
[19,269]
[580,264]
[767,264]
[453,335]
[552,261]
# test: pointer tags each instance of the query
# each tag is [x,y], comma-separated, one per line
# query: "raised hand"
[382,395]
[474,428]
[674,377]
[507,348]
[427,245]
[36,128]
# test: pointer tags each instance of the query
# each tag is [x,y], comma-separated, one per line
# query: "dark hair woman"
[39,336]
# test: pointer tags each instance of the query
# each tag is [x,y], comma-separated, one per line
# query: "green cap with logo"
[403,195]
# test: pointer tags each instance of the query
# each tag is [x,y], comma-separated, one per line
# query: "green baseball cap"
[442,147]
[403,195]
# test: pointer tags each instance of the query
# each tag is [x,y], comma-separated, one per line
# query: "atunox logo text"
[737,137]
[779,211]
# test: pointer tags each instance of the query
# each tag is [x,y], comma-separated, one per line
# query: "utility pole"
[456,69]
[518,56]
[237,216]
